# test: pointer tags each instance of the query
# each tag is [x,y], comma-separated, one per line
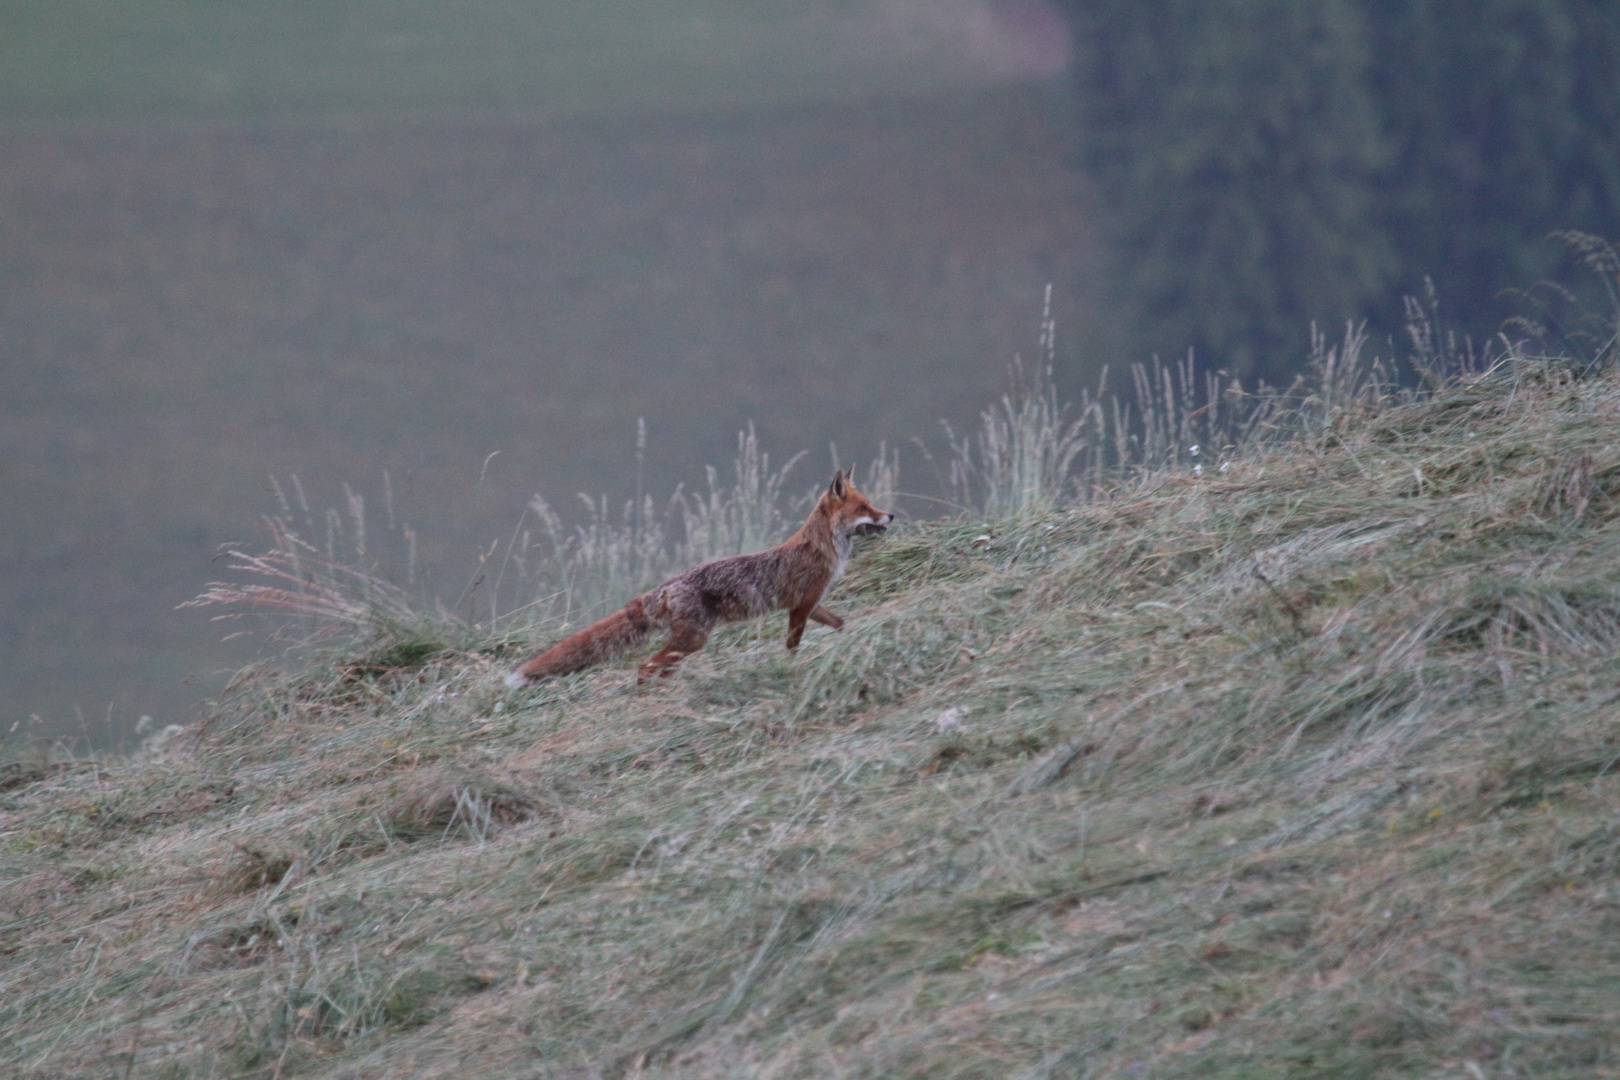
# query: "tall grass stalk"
[1018,463]
[749,514]
[336,597]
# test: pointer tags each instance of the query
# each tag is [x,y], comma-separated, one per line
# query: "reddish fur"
[792,575]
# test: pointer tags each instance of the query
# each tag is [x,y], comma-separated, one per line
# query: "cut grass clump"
[444,806]
[1308,767]
[883,657]
[1536,620]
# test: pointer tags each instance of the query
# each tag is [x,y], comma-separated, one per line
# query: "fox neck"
[821,533]
[843,543]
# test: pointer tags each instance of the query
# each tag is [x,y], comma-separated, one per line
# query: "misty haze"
[505,233]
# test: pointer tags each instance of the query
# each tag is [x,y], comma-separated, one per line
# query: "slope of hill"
[1301,763]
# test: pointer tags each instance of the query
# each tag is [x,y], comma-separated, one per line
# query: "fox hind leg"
[684,640]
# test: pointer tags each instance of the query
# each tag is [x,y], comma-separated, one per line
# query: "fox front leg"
[826,618]
[796,620]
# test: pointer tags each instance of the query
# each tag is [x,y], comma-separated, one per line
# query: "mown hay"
[1308,767]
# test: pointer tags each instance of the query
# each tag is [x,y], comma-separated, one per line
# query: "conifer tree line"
[1265,163]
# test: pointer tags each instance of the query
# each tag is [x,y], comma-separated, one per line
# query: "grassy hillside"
[1297,762]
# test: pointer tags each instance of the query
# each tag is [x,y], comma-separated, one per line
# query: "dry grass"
[1307,767]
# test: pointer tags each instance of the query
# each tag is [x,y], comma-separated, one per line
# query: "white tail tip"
[516,681]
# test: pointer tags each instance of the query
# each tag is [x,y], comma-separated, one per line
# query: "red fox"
[792,575]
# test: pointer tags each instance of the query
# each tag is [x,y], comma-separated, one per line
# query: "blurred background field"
[369,60]
[264,240]
[370,245]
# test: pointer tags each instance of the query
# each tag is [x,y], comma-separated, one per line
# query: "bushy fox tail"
[602,640]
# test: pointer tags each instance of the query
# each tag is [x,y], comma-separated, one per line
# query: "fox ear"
[838,488]
[849,476]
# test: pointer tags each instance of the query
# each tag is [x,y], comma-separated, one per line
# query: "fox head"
[849,509]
